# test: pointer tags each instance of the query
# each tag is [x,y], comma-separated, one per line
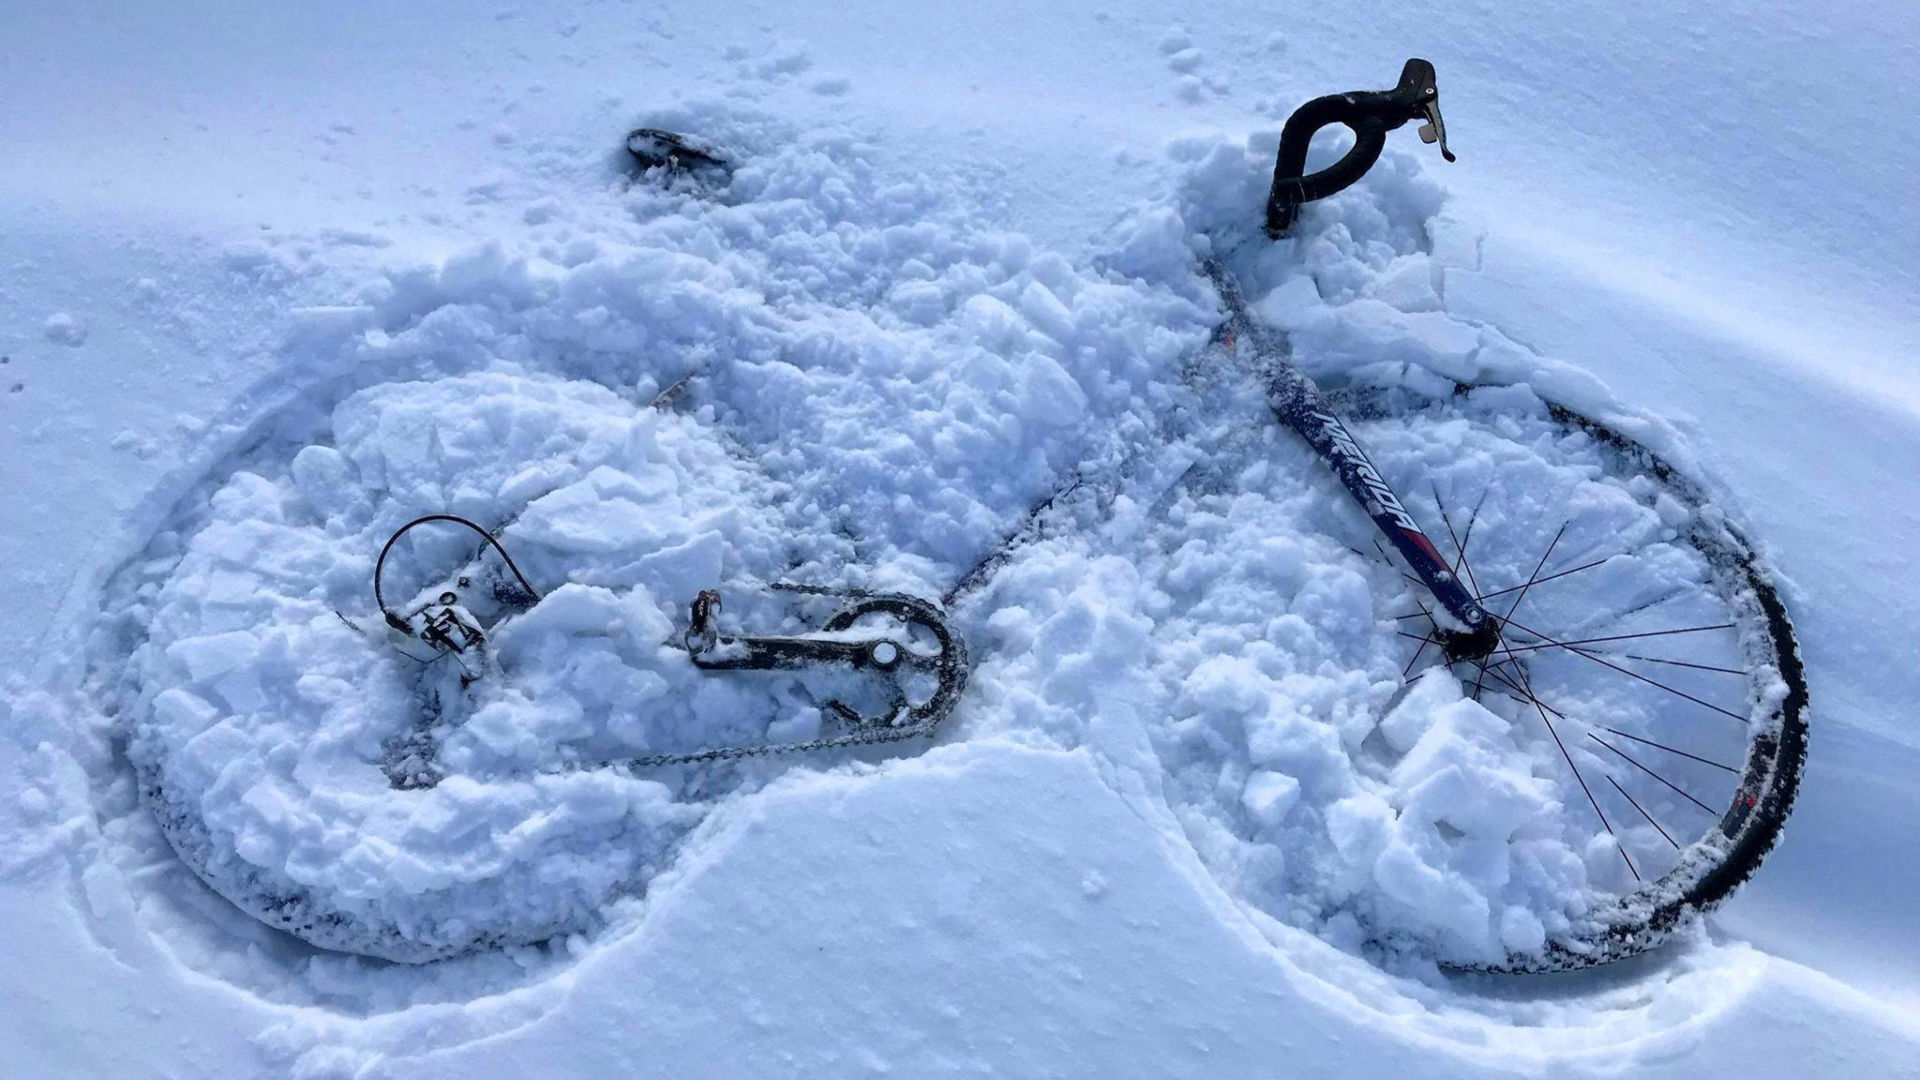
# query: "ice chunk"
[213,655]
[1269,795]
[608,511]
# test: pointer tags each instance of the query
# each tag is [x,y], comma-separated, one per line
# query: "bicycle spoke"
[1421,648]
[1621,616]
[1546,642]
[1643,811]
[1465,567]
[1672,750]
[1466,537]
[1577,775]
[1635,656]
[1514,687]
[1684,664]
[1460,549]
[1677,788]
[1532,578]
[1534,699]
[1550,577]
[1631,674]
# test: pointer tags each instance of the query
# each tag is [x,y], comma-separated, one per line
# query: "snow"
[1182,805]
[65,329]
[270,743]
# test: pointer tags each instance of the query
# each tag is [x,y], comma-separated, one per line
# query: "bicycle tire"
[1707,870]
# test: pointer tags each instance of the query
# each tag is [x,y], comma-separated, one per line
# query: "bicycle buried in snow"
[1580,586]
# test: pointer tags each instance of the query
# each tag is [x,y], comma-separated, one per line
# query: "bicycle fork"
[1297,401]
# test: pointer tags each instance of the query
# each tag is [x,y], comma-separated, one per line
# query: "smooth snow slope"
[1705,209]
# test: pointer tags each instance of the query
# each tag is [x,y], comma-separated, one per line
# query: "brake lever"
[1435,127]
[1419,92]
[1370,114]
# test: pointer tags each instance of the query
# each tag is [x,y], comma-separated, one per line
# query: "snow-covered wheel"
[338,779]
[1646,667]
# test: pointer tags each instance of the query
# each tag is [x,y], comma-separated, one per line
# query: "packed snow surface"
[1197,813]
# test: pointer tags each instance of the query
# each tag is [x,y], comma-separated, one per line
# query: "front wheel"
[1645,667]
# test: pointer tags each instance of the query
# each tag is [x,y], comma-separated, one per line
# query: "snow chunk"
[214,654]
[1040,305]
[608,511]
[1269,795]
[1407,284]
[64,328]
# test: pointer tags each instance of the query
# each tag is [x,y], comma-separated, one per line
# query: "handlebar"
[1370,114]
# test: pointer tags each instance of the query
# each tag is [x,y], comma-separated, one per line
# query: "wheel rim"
[1620,766]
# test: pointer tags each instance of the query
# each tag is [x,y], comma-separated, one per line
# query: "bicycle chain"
[873,737]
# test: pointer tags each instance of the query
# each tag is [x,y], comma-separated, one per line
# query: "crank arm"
[743,653]
[715,651]
[711,650]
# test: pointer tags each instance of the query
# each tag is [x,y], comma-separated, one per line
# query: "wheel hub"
[1469,645]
